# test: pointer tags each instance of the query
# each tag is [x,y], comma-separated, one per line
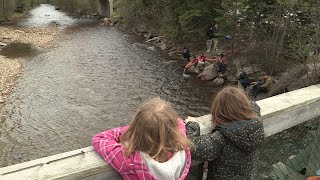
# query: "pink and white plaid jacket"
[132,167]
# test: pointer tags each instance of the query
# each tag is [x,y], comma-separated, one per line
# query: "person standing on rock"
[215,37]
[209,37]
[212,35]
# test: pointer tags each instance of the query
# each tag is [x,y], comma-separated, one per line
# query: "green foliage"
[277,32]
[179,20]
[76,6]
[6,9]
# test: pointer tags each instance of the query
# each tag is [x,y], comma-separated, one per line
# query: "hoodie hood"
[169,170]
[247,135]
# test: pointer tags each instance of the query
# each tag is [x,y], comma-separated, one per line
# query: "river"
[93,80]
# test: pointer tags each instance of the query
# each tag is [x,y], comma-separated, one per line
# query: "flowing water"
[46,15]
[93,80]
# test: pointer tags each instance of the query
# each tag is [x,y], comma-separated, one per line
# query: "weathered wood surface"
[278,113]
[282,111]
[75,164]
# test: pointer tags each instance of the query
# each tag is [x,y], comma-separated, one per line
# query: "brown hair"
[231,104]
[155,131]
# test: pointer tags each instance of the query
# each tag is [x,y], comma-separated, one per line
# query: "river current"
[92,81]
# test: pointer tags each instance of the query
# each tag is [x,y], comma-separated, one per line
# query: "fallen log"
[154,39]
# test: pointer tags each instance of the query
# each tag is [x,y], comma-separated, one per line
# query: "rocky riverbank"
[205,72]
[10,69]
[295,76]
[39,37]
[151,35]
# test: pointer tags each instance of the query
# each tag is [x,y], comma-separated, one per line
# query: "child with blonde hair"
[153,146]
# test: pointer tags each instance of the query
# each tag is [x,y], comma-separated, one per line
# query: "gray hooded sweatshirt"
[230,149]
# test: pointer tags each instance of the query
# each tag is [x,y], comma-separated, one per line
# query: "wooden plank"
[71,165]
[289,101]
[284,120]
[278,113]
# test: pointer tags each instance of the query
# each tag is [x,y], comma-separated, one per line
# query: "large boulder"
[54,24]
[248,70]
[251,69]
[209,72]
[232,79]
[218,81]
[237,64]
[310,78]
[290,80]
[193,69]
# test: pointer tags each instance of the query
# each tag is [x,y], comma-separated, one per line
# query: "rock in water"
[218,81]
[192,69]
[2,44]
[249,70]
[209,72]
[292,78]
[232,78]
[185,76]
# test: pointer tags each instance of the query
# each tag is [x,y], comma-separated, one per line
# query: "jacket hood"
[244,134]
[177,164]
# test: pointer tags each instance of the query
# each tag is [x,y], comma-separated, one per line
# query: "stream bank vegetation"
[15,9]
[77,7]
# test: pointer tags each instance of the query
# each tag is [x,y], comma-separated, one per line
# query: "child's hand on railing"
[191,119]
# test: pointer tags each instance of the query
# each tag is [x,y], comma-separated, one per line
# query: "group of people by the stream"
[199,62]
[262,84]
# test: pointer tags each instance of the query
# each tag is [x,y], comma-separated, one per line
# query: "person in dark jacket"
[212,35]
[231,147]
[186,54]
[209,37]
[244,80]
[215,37]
